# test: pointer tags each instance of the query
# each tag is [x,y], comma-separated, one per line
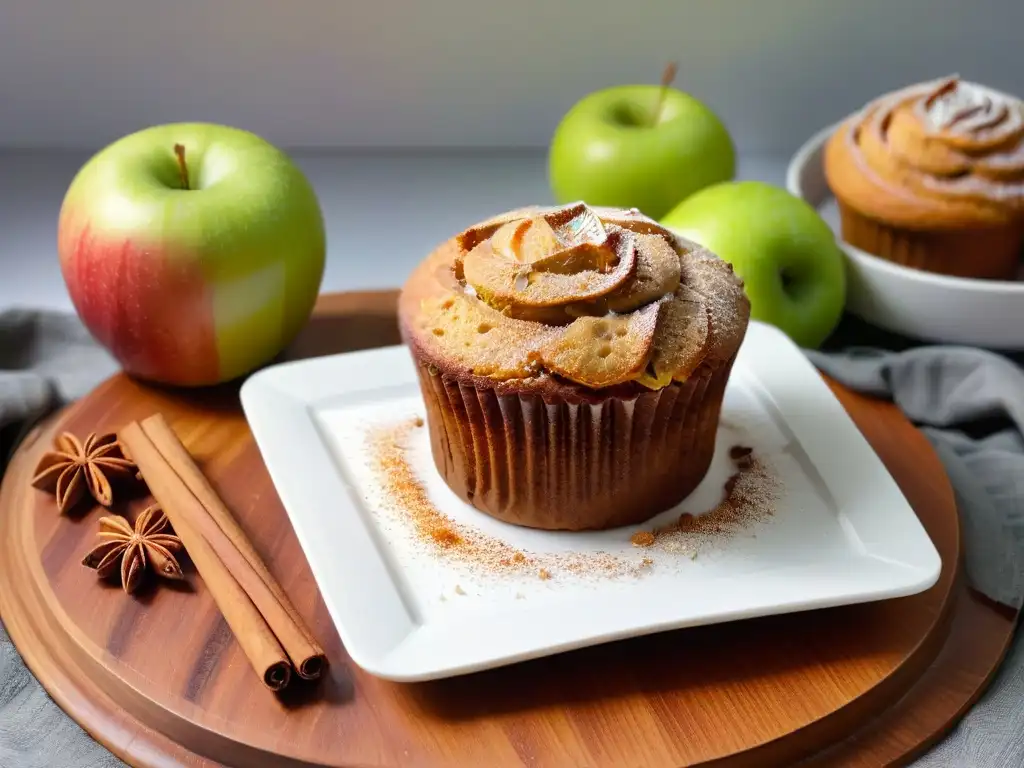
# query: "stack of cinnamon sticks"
[266,625]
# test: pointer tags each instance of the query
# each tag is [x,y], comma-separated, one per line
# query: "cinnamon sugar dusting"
[749,497]
[431,525]
[751,493]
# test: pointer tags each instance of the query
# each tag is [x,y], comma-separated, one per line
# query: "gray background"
[434,113]
[481,73]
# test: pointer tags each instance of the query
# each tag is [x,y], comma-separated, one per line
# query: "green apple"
[617,147]
[793,269]
[193,252]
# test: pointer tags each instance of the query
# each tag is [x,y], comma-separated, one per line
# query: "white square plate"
[841,533]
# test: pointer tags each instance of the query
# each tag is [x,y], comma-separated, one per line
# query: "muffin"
[573,362]
[932,177]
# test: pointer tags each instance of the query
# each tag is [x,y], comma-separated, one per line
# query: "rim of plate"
[801,159]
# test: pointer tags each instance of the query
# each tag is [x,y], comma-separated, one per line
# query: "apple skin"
[196,286]
[606,153]
[793,270]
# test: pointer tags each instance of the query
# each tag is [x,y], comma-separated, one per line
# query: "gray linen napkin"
[969,403]
[46,360]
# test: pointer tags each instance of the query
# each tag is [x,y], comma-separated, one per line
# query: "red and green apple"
[638,146]
[193,252]
[793,270]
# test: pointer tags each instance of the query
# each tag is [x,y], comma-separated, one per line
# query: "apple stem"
[179,150]
[667,76]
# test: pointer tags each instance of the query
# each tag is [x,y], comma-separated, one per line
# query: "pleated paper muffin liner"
[573,466]
[987,253]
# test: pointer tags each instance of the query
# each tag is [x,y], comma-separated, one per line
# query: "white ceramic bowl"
[930,307]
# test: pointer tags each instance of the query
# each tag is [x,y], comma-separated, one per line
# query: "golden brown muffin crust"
[572,302]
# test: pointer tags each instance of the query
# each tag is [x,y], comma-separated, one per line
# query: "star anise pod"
[74,469]
[133,549]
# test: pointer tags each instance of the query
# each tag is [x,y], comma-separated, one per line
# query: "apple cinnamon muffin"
[932,177]
[573,361]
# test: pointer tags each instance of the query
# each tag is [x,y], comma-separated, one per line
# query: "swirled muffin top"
[573,298]
[942,153]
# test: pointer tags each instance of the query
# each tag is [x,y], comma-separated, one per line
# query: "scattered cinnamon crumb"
[642,539]
[543,574]
[459,590]
[417,422]
[445,537]
[516,560]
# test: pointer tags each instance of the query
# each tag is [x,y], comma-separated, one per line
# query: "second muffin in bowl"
[932,177]
[573,361]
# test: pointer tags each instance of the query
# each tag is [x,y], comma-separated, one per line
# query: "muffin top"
[947,153]
[573,299]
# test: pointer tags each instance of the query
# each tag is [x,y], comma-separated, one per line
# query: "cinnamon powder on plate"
[463,543]
[431,526]
[750,494]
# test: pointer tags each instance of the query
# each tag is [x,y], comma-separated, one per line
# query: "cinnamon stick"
[231,544]
[251,630]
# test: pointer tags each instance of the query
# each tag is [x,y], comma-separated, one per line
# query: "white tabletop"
[417,198]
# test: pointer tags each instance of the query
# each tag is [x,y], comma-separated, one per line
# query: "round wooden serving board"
[160,680]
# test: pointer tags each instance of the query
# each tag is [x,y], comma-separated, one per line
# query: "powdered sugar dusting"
[965,107]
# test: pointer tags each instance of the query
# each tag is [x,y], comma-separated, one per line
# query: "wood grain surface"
[159,679]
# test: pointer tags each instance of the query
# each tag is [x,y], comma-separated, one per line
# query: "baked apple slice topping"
[679,341]
[513,279]
[602,351]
